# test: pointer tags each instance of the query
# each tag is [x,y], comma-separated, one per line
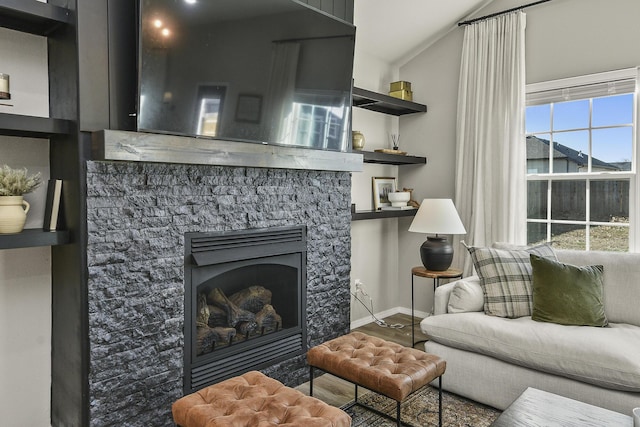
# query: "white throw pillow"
[466,296]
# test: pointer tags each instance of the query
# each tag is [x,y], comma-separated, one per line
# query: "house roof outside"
[538,148]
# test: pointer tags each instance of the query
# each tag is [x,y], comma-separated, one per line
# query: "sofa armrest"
[467,293]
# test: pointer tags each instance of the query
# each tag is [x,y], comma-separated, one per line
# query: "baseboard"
[386,313]
[417,313]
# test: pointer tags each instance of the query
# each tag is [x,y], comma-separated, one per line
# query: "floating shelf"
[381,103]
[362,215]
[32,126]
[33,237]
[391,159]
[31,16]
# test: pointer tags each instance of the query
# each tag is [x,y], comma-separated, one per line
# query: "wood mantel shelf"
[151,147]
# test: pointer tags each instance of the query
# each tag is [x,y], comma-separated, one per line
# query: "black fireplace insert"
[245,301]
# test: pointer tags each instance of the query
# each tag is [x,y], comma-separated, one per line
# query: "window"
[582,162]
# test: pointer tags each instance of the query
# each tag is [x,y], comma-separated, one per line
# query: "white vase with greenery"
[14,183]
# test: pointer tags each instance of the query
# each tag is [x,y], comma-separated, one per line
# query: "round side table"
[420,271]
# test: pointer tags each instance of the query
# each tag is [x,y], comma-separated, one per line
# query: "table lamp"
[437,216]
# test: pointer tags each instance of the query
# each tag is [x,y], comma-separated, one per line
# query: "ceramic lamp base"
[436,253]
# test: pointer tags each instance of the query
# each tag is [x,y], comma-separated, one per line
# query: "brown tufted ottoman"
[381,366]
[254,400]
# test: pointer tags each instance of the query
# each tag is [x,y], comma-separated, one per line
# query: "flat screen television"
[264,71]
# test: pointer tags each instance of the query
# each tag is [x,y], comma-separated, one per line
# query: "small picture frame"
[382,186]
[249,108]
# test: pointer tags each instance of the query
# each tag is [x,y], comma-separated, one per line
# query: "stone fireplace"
[138,215]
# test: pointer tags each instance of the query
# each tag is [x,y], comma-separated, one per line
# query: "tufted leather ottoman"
[381,366]
[254,400]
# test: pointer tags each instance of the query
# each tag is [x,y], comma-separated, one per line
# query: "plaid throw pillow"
[505,277]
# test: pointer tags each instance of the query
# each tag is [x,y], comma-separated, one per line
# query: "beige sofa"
[492,359]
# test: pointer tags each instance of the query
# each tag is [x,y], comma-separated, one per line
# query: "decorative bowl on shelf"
[399,198]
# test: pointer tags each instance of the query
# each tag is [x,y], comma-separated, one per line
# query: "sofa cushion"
[567,294]
[606,357]
[621,281]
[505,277]
[465,296]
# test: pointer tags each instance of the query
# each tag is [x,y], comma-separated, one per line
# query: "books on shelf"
[397,208]
[52,206]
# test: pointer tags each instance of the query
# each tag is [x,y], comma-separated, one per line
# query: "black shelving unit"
[362,215]
[31,237]
[43,19]
[32,16]
[386,104]
[391,159]
[33,126]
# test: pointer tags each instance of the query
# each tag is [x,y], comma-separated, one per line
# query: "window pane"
[571,115]
[538,118]
[613,110]
[569,236]
[538,153]
[609,201]
[609,238]
[612,149]
[570,152]
[536,233]
[568,200]
[537,199]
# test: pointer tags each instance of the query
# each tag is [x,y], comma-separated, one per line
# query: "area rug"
[421,409]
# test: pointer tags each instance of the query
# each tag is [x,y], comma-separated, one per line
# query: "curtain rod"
[471,21]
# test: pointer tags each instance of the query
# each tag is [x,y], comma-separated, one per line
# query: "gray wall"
[564,38]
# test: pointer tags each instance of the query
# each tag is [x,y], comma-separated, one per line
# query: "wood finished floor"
[337,392]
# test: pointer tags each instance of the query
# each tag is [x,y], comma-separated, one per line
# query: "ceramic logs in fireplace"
[244,302]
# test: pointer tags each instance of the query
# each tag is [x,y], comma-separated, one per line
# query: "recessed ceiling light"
[166,32]
[157,23]
[190,1]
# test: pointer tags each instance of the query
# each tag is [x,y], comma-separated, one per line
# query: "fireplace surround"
[137,217]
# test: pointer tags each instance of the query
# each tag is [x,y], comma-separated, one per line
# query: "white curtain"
[281,90]
[490,144]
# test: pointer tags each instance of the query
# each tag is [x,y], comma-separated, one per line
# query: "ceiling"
[397,30]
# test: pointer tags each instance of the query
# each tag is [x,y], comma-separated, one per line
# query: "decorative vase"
[357,140]
[13,214]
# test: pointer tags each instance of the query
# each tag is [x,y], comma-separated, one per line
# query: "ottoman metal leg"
[440,401]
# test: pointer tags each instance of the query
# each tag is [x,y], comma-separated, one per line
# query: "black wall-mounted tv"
[265,71]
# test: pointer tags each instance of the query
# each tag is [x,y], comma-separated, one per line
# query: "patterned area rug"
[421,409]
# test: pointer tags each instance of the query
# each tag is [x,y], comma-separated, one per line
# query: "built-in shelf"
[32,16]
[381,103]
[32,126]
[391,159]
[33,237]
[42,19]
[361,215]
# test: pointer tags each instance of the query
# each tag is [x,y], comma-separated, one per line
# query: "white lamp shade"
[437,216]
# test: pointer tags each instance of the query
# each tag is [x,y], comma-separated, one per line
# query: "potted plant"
[14,183]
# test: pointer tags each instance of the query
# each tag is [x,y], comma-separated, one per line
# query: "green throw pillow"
[567,294]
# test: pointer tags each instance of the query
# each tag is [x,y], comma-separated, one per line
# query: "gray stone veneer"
[137,215]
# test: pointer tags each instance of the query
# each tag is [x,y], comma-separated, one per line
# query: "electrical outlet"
[359,285]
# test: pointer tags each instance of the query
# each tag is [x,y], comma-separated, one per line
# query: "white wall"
[374,243]
[564,38]
[25,278]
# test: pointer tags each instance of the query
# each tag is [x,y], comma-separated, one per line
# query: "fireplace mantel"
[159,148]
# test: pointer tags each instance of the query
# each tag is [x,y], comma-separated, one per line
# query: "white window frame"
[544,92]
